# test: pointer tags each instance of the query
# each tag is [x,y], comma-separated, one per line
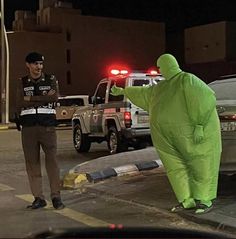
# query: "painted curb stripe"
[69,213]
[73,179]
[100,175]
[126,169]
[147,165]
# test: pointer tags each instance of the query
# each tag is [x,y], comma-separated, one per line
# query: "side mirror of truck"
[92,100]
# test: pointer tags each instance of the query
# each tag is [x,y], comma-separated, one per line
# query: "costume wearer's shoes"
[57,203]
[202,208]
[37,203]
[178,208]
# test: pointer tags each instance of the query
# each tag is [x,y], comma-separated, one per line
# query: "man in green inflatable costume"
[185,131]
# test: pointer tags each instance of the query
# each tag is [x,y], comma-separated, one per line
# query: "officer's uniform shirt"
[40,110]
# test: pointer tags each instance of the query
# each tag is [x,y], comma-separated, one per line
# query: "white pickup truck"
[114,118]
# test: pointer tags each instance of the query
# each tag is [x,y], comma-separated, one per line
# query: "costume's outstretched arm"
[138,95]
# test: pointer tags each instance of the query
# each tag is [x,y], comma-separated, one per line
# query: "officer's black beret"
[33,57]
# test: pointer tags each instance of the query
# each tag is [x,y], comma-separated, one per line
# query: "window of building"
[68,56]
[68,78]
[46,19]
[68,35]
[20,26]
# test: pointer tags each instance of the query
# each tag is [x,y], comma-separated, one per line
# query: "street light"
[5,70]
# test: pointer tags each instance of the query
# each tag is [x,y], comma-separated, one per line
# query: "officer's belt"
[38,111]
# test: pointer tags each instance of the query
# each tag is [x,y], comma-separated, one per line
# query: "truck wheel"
[80,140]
[114,141]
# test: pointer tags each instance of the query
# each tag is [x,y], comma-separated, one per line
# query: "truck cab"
[114,118]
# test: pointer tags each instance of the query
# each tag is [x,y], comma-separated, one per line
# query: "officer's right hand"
[117,90]
[51,92]
[27,98]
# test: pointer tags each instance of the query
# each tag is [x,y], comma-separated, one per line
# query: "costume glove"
[198,134]
[117,90]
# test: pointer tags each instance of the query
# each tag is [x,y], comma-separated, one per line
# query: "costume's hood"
[168,65]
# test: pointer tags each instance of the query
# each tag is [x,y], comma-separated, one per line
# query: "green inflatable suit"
[185,130]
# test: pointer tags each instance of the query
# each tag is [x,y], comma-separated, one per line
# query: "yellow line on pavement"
[4,187]
[70,213]
[3,127]
[81,217]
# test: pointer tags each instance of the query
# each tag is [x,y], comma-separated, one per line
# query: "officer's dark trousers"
[34,138]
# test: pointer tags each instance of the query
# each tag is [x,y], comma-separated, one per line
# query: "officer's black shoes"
[40,203]
[57,203]
[37,203]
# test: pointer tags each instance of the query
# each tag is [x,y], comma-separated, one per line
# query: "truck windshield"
[141,82]
[70,102]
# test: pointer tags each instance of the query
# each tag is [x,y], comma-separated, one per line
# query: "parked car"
[67,105]
[225,90]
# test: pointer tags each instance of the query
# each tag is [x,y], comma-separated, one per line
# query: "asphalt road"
[86,207]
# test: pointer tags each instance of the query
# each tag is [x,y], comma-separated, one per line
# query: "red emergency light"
[118,70]
[114,71]
[154,71]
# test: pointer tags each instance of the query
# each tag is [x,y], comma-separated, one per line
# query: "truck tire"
[80,140]
[114,142]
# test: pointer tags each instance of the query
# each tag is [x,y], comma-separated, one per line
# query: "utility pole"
[4,71]
[3,75]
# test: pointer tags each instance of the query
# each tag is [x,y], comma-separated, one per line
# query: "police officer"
[35,103]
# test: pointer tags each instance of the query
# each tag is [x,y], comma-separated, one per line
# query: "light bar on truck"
[119,72]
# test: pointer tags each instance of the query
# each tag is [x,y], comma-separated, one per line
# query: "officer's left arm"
[52,95]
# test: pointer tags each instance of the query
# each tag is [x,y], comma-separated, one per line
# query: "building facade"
[78,49]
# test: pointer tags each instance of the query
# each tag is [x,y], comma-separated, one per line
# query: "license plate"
[143,119]
[228,126]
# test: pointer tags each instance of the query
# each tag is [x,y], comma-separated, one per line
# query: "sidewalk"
[140,162]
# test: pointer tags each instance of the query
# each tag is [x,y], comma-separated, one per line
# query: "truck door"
[98,109]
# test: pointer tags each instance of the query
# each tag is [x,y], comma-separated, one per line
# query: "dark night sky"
[177,14]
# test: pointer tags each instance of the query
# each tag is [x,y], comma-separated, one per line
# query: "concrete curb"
[212,219]
[73,179]
[7,126]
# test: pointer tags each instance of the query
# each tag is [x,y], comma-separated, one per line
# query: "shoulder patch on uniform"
[52,77]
